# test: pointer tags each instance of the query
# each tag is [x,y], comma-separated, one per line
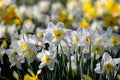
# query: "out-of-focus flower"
[115,11]
[44,6]
[98,49]
[2,30]
[28,26]
[84,24]
[72,4]
[118,76]
[10,16]
[64,17]
[32,76]
[110,21]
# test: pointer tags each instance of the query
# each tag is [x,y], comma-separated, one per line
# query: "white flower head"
[107,65]
[47,59]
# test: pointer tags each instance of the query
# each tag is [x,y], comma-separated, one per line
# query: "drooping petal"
[116,60]
[98,70]
[41,65]
[106,57]
[51,66]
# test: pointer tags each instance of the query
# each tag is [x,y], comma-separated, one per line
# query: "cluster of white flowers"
[71,31]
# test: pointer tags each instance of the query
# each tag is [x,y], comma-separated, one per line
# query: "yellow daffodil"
[32,76]
[84,24]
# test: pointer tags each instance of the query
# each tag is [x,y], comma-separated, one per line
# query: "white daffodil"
[12,31]
[15,58]
[107,65]
[96,25]
[40,33]
[32,39]
[86,39]
[28,26]
[44,6]
[47,59]
[114,43]
[97,50]
[56,33]
[24,48]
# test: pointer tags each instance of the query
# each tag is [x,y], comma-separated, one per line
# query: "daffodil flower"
[47,59]
[107,65]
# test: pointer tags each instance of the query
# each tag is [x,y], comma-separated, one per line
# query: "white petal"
[116,60]
[97,70]
[50,25]
[106,57]
[40,55]
[51,66]
[98,65]
[42,65]
[60,25]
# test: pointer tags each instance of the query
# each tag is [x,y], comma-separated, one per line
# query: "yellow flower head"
[109,4]
[58,33]
[115,11]
[90,14]
[32,76]
[86,6]
[63,17]
[84,24]
[9,15]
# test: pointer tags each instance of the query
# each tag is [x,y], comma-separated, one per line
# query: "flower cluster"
[76,40]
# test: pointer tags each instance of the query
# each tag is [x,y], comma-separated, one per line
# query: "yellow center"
[14,53]
[87,39]
[115,41]
[75,39]
[24,46]
[30,53]
[46,59]
[40,35]
[97,49]
[108,67]
[58,33]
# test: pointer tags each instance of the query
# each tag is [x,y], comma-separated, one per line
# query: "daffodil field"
[59,39]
